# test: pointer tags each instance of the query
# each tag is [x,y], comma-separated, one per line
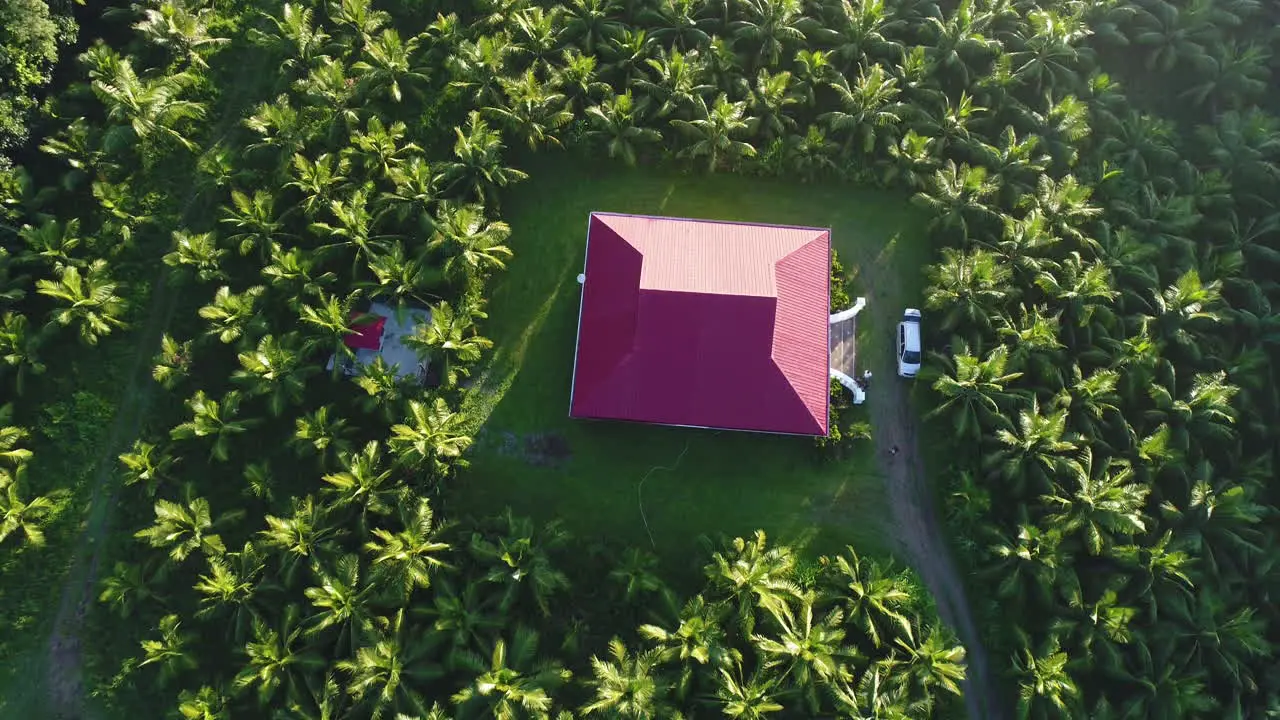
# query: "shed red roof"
[366,331]
[712,324]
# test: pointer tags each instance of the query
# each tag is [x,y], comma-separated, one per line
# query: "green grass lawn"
[705,482]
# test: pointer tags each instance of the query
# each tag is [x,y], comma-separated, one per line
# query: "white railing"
[847,314]
[858,395]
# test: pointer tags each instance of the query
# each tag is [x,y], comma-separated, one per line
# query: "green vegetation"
[590,473]
[1098,182]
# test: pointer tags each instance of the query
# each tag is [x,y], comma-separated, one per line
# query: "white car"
[909,343]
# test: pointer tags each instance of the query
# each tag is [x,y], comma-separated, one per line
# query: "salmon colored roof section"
[711,324]
[708,257]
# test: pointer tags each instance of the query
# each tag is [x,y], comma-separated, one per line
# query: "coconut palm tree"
[514,683]
[301,537]
[388,63]
[1105,507]
[1052,55]
[628,54]
[182,32]
[811,155]
[172,652]
[531,110]
[364,484]
[535,34]
[233,315]
[1032,567]
[280,128]
[233,586]
[468,619]
[618,122]
[332,320]
[677,22]
[10,437]
[1172,36]
[958,197]
[431,437]
[382,675]
[449,340]
[141,110]
[198,251]
[277,660]
[751,698]
[148,465]
[207,703]
[676,79]
[813,70]
[477,66]
[772,28]
[319,181]
[868,109]
[19,348]
[385,389]
[406,559]
[321,436]
[878,601]
[635,573]
[810,650]
[935,664]
[517,556]
[627,685]
[1015,161]
[1036,450]
[379,149]
[51,242]
[293,273]
[472,244]
[19,515]
[970,288]
[276,369]
[343,602]
[590,24]
[296,37]
[478,169]
[131,586]
[358,18]
[219,420]
[974,391]
[416,189]
[958,45]
[1045,686]
[768,103]
[751,574]
[87,301]
[713,129]
[185,527]
[578,80]
[699,639]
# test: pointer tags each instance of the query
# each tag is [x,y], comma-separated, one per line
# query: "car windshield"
[911,357]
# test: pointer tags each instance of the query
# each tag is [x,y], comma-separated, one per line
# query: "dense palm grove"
[1101,178]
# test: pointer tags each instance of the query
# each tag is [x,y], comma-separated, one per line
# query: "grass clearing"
[692,482]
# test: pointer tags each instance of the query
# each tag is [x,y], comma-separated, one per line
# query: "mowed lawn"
[531,457]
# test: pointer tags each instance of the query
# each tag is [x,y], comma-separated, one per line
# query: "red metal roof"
[711,324]
[366,331]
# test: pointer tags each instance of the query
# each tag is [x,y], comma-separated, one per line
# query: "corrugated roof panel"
[736,353]
[800,328]
[705,256]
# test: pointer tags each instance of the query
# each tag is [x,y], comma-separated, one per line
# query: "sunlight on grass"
[502,370]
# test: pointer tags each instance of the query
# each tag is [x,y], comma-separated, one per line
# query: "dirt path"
[919,532]
[63,677]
